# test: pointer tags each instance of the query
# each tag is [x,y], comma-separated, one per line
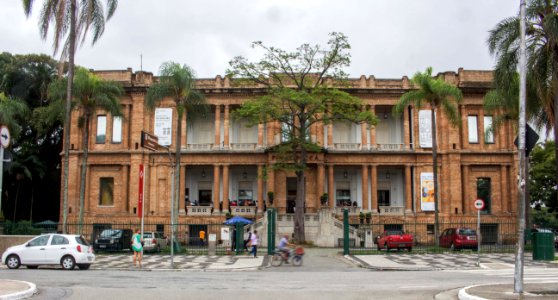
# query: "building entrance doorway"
[291,195]
[205,197]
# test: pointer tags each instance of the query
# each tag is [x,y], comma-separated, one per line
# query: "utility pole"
[519,254]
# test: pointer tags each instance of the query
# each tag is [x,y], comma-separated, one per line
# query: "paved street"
[324,273]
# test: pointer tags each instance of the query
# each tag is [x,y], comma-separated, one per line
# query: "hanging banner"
[163,125]
[425,129]
[427,191]
[140,193]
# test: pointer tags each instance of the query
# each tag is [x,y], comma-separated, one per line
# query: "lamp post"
[172,209]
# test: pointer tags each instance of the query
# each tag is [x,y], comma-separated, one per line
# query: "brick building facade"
[365,168]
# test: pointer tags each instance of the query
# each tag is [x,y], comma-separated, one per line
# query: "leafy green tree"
[299,97]
[441,97]
[72,20]
[90,94]
[178,83]
[542,183]
[542,59]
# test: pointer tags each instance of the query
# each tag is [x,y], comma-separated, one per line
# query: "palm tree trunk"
[68,112]
[83,170]
[555,99]
[15,204]
[435,173]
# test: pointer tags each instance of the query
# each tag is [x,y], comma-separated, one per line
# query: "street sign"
[149,141]
[4,137]
[479,204]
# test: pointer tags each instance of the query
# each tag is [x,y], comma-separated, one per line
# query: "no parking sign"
[479,204]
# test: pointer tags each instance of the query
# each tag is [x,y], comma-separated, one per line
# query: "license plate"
[473,238]
[102,246]
[402,245]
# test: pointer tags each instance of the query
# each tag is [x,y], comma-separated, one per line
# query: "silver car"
[154,241]
[67,250]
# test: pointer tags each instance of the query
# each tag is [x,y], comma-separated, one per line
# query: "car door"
[58,246]
[34,251]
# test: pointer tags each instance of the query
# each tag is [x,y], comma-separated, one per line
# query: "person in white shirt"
[254,243]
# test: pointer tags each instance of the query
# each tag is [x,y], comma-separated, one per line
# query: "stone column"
[271,182]
[330,186]
[216,177]
[260,189]
[330,144]
[226,188]
[406,133]
[181,197]
[363,135]
[365,187]
[408,190]
[260,136]
[481,128]
[373,130]
[226,126]
[270,133]
[465,203]
[374,188]
[319,184]
[184,137]
[216,144]
[320,133]
[504,188]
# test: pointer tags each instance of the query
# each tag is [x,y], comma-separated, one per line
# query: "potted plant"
[228,215]
[323,198]
[270,197]
[368,216]
[361,217]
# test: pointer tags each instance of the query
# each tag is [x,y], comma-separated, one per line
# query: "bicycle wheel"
[297,261]
[276,260]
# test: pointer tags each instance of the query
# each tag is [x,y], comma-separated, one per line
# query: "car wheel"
[68,262]
[84,266]
[452,247]
[32,267]
[297,261]
[13,261]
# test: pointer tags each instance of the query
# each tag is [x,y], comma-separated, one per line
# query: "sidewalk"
[15,289]
[539,291]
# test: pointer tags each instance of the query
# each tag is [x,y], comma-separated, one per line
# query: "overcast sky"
[389,38]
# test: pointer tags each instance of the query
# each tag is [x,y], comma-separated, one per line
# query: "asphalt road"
[324,275]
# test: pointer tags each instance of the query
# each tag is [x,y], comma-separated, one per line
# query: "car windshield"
[114,233]
[394,232]
[80,240]
[147,235]
[466,231]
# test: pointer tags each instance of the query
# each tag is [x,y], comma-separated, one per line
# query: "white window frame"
[101,133]
[473,132]
[488,130]
[117,129]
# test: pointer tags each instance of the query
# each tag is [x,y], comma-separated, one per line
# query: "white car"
[67,250]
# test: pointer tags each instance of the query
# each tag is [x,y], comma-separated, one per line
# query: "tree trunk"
[555,99]
[435,173]
[83,174]
[68,112]
[299,210]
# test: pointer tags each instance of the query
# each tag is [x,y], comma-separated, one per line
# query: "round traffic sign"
[4,137]
[479,204]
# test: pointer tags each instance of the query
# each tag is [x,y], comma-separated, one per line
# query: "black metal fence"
[494,237]
[187,236]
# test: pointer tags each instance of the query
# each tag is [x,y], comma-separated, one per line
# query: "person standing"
[247,239]
[202,237]
[137,247]
[254,243]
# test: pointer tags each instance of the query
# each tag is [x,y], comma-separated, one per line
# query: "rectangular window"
[101,129]
[286,129]
[473,129]
[383,198]
[117,130]
[488,130]
[106,193]
[484,192]
[343,198]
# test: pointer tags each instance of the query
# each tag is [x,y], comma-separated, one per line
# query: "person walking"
[254,243]
[202,237]
[137,247]
[247,239]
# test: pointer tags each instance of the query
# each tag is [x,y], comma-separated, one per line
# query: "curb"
[463,295]
[22,294]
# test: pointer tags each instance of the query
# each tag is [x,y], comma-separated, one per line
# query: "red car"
[395,239]
[459,238]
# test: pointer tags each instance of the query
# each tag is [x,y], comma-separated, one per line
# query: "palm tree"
[542,60]
[63,14]
[90,94]
[440,96]
[178,83]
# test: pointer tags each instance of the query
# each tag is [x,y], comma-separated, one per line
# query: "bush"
[20,228]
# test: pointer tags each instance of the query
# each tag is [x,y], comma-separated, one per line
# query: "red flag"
[140,193]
